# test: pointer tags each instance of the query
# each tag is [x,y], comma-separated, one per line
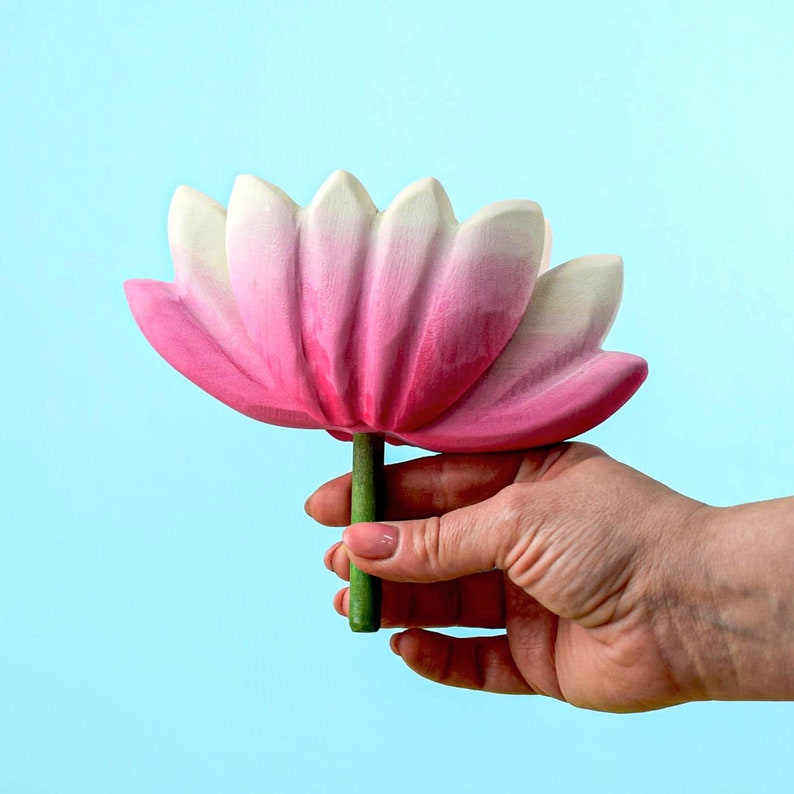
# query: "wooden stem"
[365,505]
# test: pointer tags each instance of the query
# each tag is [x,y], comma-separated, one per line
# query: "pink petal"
[441,300]
[411,240]
[334,245]
[264,268]
[579,402]
[221,365]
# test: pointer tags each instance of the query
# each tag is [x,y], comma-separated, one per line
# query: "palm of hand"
[617,666]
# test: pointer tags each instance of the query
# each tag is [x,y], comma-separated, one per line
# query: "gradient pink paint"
[403,322]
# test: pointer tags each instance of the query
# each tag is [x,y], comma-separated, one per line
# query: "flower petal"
[585,398]
[334,243]
[197,237]
[444,300]
[409,248]
[545,259]
[264,269]
[558,342]
[571,311]
[223,365]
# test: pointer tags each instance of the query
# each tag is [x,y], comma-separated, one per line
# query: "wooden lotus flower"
[403,323]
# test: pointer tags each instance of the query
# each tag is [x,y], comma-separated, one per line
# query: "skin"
[614,592]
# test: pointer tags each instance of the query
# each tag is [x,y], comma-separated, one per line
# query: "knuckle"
[523,511]
[512,500]
[512,505]
[441,473]
[427,546]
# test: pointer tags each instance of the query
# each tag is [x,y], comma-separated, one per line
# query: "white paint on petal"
[545,259]
[197,234]
[579,298]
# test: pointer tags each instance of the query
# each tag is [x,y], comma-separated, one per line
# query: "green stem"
[365,505]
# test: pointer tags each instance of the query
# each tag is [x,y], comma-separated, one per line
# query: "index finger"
[431,486]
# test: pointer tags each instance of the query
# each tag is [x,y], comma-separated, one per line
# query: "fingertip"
[330,503]
[342,601]
[409,644]
[341,562]
[328,558]
[318,507]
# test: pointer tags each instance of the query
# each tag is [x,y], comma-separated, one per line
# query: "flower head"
[444,335]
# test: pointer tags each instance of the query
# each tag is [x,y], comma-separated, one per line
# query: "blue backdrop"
[165,619]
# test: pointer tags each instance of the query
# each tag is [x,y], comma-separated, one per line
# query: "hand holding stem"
[615,592]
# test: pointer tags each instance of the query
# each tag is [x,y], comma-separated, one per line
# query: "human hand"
[602,578]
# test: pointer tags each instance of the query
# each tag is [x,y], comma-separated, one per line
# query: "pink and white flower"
[444,335]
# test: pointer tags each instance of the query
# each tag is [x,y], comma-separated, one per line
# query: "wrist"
[726,624]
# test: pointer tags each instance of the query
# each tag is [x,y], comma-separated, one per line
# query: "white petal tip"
[342,189]
[515,212]
[188,203]
[186,193]
[611,263]
[253,191]
[425,196]
[580,293]
[195,221]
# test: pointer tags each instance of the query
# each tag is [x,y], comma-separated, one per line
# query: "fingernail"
[373,541]
[307,505]
[394,643]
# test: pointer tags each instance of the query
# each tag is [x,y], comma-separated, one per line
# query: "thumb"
[465,541]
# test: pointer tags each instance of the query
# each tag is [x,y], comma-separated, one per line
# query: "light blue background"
[165,619]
